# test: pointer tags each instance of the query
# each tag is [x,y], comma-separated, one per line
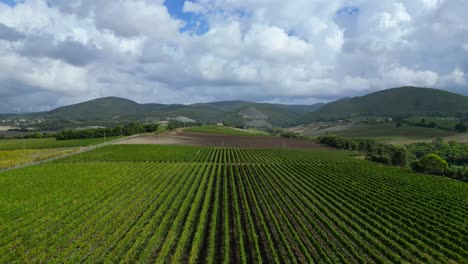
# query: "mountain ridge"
[394,102]
[108,111]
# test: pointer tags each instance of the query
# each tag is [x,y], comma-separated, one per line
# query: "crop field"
[43,143]
[389,131]
[219,140]
[180,204]
[12,158]
[446,123]
[225,131]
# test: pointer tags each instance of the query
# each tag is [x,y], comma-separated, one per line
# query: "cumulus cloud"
[69,51]
[276,51]
[8,33]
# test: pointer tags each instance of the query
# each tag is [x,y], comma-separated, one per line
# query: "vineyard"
[44,143]
[162,204]
[12,158]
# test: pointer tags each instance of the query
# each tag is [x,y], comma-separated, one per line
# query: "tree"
[461,127]
[433,164]
[400,158]
[151,128]
[398,124]
[438,143]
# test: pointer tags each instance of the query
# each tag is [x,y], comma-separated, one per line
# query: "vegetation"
[431,163]
[229,205]
[454,153]
[43,143]
[461,127]
[404,101]
[437,158]
[126,130]
[388,131]
[112,111]
[13,158]
[434,122]
[373,150]
[224,131]
[288,134]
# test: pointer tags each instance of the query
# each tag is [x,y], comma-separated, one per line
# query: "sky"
[56,52]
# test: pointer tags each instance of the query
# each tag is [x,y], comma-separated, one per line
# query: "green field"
[12,158]
[214,205]
[225,131]
[43,143]
[389,131]
[445,123]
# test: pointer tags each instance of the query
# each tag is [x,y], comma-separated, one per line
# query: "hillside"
[111,111]
[397,101]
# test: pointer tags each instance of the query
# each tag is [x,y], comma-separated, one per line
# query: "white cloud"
[45,74]
[298,50]
[193,7]
[431,4]
[465,47]
[457,77]
[399,76]
[392,18]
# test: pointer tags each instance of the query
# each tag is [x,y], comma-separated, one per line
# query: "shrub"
[433,164]
[290,135]
[380,159]
[461,127]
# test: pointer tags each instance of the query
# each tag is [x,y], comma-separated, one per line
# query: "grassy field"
[389,131]
[225,131]
[43,143]
[446,123]
[213,205]
[13,158]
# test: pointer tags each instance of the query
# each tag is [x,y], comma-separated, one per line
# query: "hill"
[397,101]
[109,111]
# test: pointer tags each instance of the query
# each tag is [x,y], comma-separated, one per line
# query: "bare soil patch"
[215,140]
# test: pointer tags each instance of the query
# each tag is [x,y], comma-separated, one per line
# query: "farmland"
[220,140]
[182,204]
[389,131]
[12,158]
[225,131]
[43,143]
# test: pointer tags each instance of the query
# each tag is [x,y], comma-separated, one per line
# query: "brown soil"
[214,140]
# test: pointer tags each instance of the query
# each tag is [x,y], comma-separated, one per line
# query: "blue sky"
[194,22]
[8,2]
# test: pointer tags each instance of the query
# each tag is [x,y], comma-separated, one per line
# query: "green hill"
[110,111]
[397,101]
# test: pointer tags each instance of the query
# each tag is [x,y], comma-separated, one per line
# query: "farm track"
[243,205]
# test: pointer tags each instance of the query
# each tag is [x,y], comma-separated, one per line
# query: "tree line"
[120,130]
[438,157]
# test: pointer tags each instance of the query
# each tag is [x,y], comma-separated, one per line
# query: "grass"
[389,131]
[13,158]
[445,123]
[224,131]
[43,143]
